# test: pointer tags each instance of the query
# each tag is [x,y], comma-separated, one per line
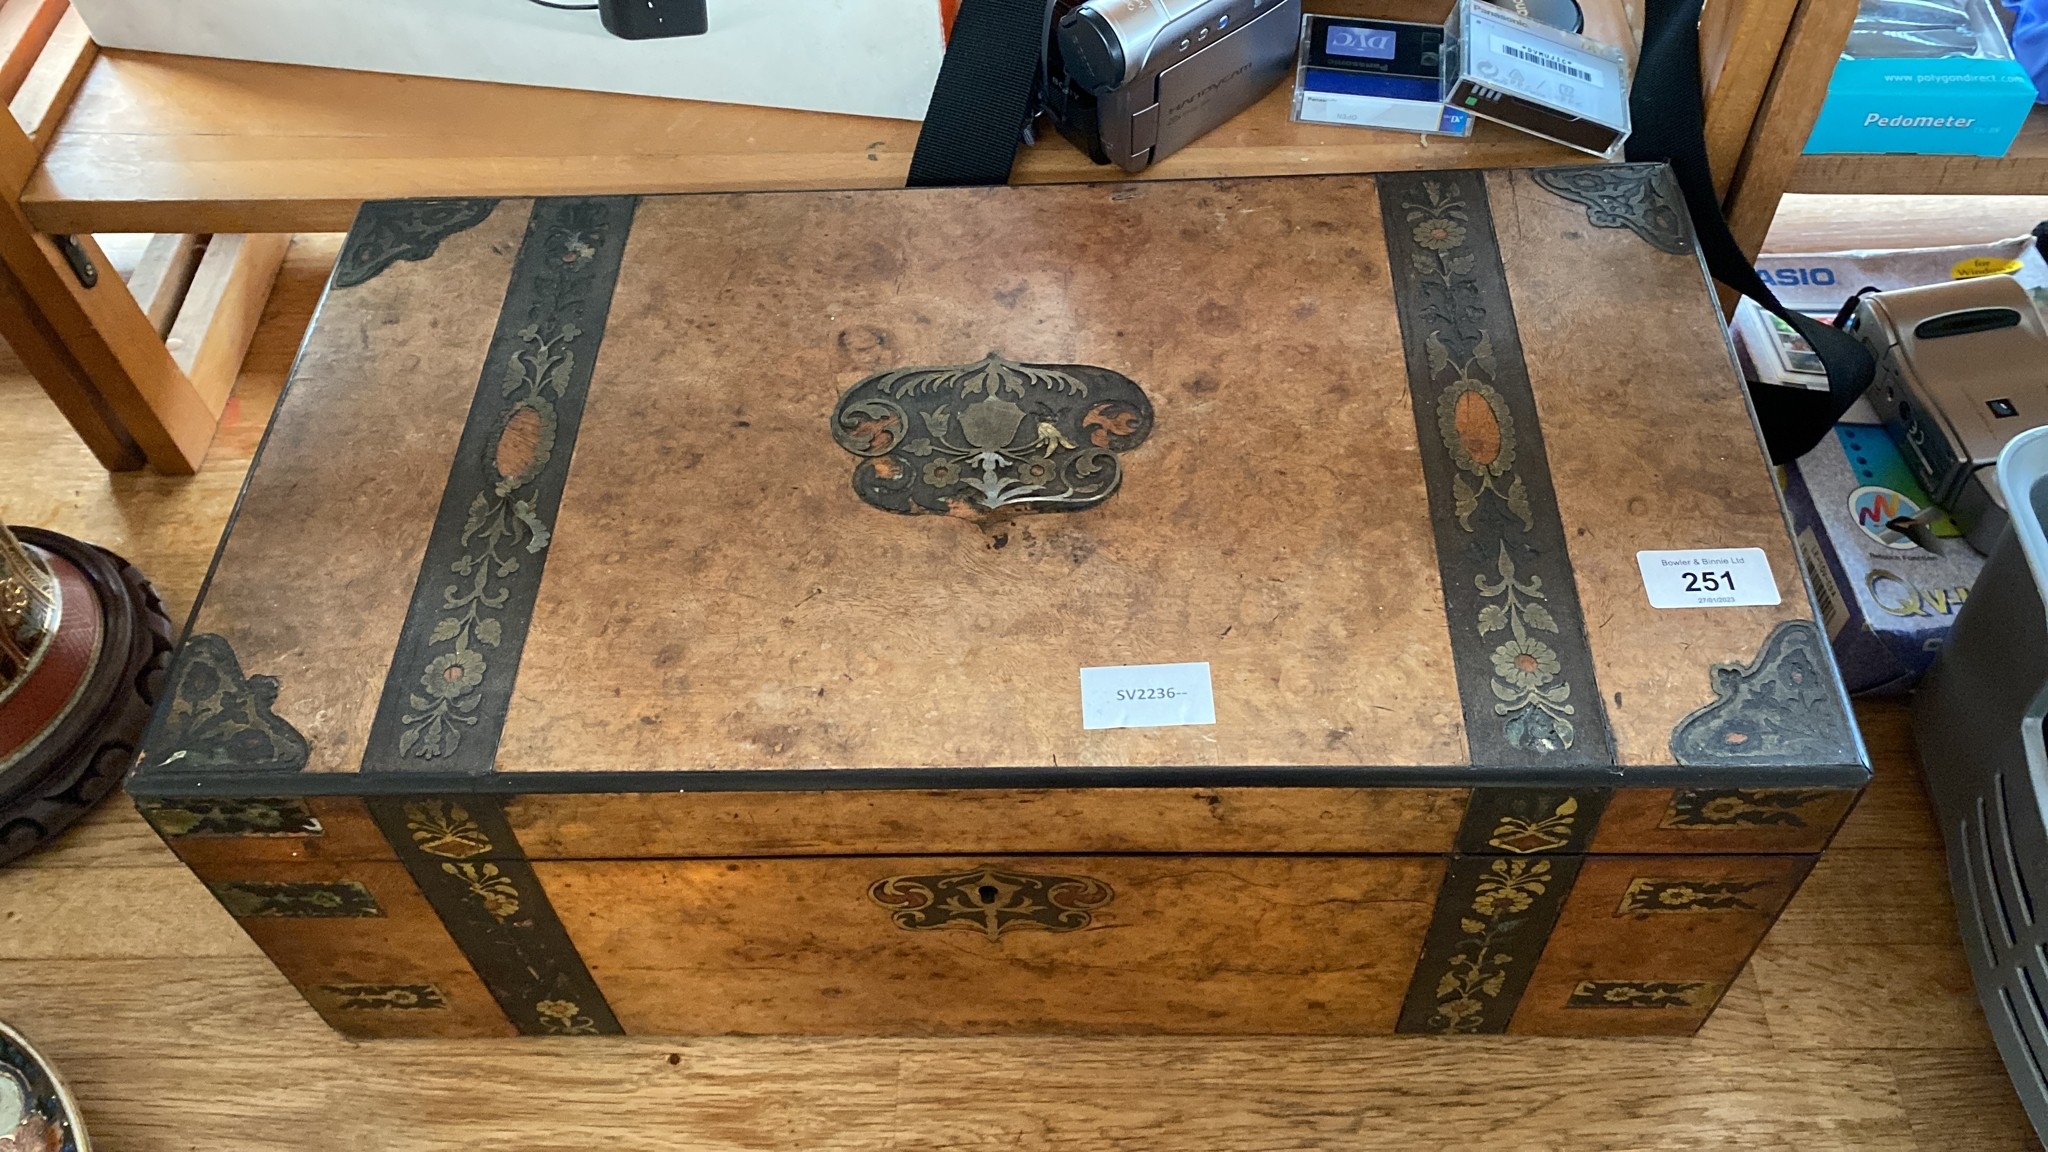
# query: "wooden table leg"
[22,326]
[74,323]
[1820,29]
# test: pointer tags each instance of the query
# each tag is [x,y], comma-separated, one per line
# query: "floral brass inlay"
[388,231]
[991,901]
[215,719]
[494,908]
[1545,834]
[298,901]
[564,1018]
[381,997]
[1741,807]
[503,533]
[1536,710]
[446,830]
[1479,967]
[1471,415]
[1642,994]
[1648,894]
[1479,432]
[491,887]
[1783,708]
[1531,689]
[193,818]
[992,437]
[1631,196]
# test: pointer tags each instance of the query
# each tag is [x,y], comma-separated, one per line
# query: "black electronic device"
[653,19]
[1131,81]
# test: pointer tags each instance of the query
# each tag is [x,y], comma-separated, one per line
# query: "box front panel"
[416,927]
[922,945]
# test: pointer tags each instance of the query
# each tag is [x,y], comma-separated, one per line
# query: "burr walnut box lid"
[809,491]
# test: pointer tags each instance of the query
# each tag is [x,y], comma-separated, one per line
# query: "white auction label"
[1146,696]
[1708,578]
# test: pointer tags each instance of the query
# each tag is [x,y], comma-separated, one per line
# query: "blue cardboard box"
[1953,106]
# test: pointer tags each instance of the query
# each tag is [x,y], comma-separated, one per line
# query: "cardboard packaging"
[866,57]
[1545,81]
[1963,105]
[1887,603]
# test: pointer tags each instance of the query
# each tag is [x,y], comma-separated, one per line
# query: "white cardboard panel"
[866,57]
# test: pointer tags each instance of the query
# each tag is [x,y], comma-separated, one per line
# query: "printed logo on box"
[1872,507]
[1901,597]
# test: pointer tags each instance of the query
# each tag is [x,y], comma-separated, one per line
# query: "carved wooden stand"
[84,642]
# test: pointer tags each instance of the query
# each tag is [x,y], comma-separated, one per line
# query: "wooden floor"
[1855,1027]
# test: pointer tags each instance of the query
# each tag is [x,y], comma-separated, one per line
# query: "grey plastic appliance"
[1978,720]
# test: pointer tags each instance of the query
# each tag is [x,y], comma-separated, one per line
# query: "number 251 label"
[1708,578]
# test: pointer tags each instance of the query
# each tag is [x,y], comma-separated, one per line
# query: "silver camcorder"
[1131,81]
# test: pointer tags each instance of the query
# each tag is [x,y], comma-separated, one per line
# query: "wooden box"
[667,615]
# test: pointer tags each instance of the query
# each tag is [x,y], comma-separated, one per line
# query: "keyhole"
[987,892]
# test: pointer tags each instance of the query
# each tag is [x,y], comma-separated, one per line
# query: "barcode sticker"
[1532,56]
[1834,612]
[1558,60]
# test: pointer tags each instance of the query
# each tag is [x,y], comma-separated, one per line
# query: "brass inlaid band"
[1493,916]
[1518,636]
[450,681]
[468,865]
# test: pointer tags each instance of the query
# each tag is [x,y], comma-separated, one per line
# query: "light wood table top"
[156,143]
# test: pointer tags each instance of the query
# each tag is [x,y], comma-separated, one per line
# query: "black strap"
[985,95]
[1670,124]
